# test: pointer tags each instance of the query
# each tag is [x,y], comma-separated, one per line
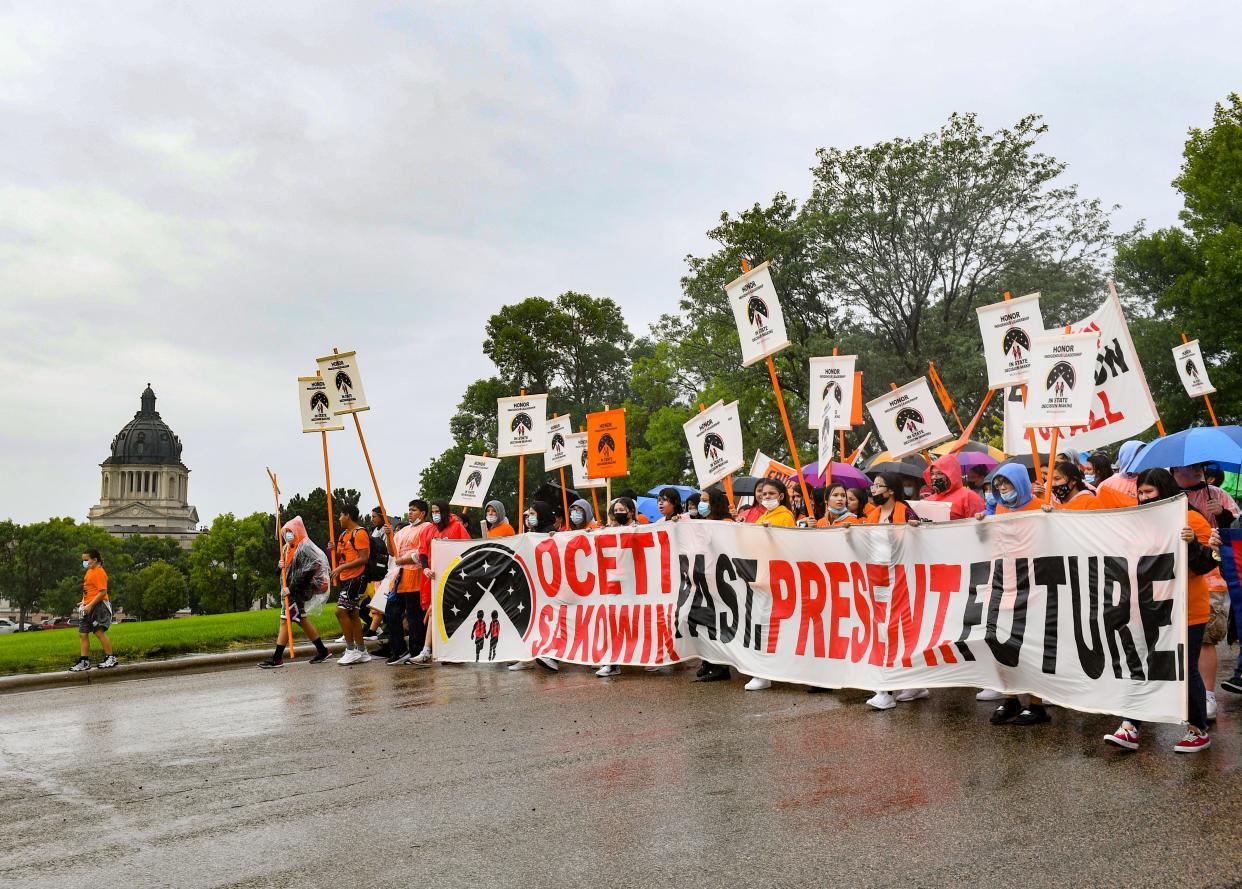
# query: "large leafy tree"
[1191,275]
[313,508]
[158,590]
[234,565]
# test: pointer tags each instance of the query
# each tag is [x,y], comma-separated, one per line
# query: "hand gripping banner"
[1086,609]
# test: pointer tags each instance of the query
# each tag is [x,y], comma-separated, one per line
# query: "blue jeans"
[407,607]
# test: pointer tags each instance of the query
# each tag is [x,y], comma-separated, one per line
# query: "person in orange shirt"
[581,516]
[353,548]
[1158,484]
[1011,489]
[96,613]
[1069,491]
[889,500]
[497,520]
[836,508]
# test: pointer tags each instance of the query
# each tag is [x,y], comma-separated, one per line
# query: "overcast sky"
[208,195]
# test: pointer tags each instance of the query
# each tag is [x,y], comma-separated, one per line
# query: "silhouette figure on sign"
[522,424]
[713,444]
[319,402]
[606,444]
[343,383]
[479,635]
[1060,378]
[1015,341]
[756,311]
[832,390]
[493,635]
[558,443]
[909,420]
[1192,369]
[473,480]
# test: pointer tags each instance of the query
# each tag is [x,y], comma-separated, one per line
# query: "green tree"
[313,508]
[37,558]
[233,565]
[1190,275]
[158,590]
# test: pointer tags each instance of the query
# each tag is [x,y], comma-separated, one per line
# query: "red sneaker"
[1126,736]
[1192,743]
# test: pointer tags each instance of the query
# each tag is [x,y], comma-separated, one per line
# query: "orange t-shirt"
[1081,501]
[899,515]
[1114,498]
[347,550]
[847,519]
[1031,504]
[1198,596]
[94,587]
[502,529]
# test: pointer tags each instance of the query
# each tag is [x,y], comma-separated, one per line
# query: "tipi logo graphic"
[1015,343]
[522,424]
[757,311]
[582,458]
[606,444]
[344,384]
[319,403]
[489,569]
[473,480]
[909,420]
[1192,370]
[1061,378]
[713,445]
[558,443]
[832,392]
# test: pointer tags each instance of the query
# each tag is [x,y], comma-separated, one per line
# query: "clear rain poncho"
[306,570]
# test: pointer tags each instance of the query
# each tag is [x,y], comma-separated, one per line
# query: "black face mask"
[940,484]
[623,518]
[880,499]
[1061,492]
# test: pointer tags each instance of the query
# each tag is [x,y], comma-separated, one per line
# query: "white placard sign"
[757,312]
[315,406]
[827,438]
[474,480]
[1192,370]
[832,383]
[1062,383]
[343,382]
[577,445]
[521,425]
[558,455]
[1009,329]
[715,439]
[908,420]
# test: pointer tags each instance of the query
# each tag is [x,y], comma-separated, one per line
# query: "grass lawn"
[49,650]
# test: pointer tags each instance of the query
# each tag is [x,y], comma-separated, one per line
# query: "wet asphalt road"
[376,776]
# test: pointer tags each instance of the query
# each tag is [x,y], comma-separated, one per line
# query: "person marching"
[581,516]
[772,499]
[1123,481]
[444,525]
[836,508]
[669,504]
[888,501]
[305,573]
[96,613]
[713,505]
[1069,491]
[945,478]
[352,549]
[406,616]
[497,521]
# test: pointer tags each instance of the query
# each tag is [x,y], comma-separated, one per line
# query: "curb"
[194,663]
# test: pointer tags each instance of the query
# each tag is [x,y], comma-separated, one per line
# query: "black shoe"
[1032,715]
[715,674]
[271,664]
[1007,712]
[320,658]
[382,651]
[704,669]
[1233,684]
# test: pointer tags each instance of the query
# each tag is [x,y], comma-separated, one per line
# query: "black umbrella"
[743,485]
[910,470]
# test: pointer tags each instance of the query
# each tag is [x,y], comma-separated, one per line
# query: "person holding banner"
[1123,481]
[497,520]
[836,508]
[945,478]
[1099,469]
[714,505]
[540,518]
[581,516]
[305,574]
[406,615]
[888,500]
[1011,491]
[352,549]
[622,512]
[1154,485]
[1069,490]
[773,499]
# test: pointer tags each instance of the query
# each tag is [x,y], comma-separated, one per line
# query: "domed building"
[144,484]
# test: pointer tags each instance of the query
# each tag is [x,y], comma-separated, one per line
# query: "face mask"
[1089,479]
[435,517]
[1009,496]
[415,521]
[940,484]
[288,537]
[879,499]
[1061,492]
[770,503]
[704,508]
[622,518]
[86,563]
[910,492]
[576,516]
[532,522]
[492,518]
[989,499]
[837,511]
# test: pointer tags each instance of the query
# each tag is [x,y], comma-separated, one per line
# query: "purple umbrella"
[841,472]
[967,459]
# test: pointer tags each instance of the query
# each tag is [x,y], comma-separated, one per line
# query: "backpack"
[377,561]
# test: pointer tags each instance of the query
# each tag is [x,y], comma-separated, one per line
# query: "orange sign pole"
[780,403]
[1206,400]
[284,566]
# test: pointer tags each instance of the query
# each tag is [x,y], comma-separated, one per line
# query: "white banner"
[1122,408]
[577,445]
[521,425]
[1009,329]
[715,439]
[557,455]
[474,480]
[757,312]
[315,406]
[1062,383]
[1192,370]
[908,420]
[343,382]
[832,383]
[1086,609]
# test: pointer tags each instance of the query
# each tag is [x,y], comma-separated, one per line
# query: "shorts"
[350,596]
[98,618]
[297,610]
[1218,619]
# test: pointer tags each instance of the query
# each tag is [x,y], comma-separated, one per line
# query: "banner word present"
[832,385]
[558,455]
[315,406]
[343,382]
[1192,370]
[757,313]
[1062,384]
[521,425]
[715,439]
[474,480]
[908,420]
[1009,330]
[1086,609]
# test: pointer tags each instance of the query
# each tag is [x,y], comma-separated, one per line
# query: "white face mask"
[288,537]
[576,516]
[770,503]
[492,518]
[531,521]
[86,563]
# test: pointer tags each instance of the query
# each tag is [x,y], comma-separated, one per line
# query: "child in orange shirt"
[96,613]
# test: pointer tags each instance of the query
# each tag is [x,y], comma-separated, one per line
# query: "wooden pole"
[1206,400]
[284,567]
[565,494]
[970,429]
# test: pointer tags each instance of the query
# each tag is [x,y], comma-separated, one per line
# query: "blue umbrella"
[649,507]
[1202,444]
[684,490]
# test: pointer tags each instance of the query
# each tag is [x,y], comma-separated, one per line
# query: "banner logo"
[473,480]
[713,445]
[909,420]
[1060,378]
[319,403]
[1192,369]
[487,570]
[606,444]
[1016,340]
[756,311]
[832,389]
[522,424]
[343,383]
[558,443]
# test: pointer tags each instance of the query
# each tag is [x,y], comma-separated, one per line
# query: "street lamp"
[234,590]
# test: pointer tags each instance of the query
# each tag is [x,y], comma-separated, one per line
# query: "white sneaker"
[423,658]
[339,639]
[989,695]
[548,664]
[1211,703]
[608,670]
[912,694]
[349,657]
[758,684]
[882,700]
[364,656]
[520,665]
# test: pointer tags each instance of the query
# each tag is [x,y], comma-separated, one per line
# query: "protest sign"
[474,480]
[607,456]
[715,439]
[1062,382]
[1086,609]
[832,384]
[1192,370]
[931,510]
[1009,329]
[315,406]
[522,425]
[576,444]
[827,439]
[343,382]
[557,455]
[908,420]
[764,466]
[757,312]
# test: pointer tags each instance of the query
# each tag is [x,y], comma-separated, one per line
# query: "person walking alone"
[96,613]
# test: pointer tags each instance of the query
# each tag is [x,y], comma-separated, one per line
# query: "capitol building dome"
[143,489]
